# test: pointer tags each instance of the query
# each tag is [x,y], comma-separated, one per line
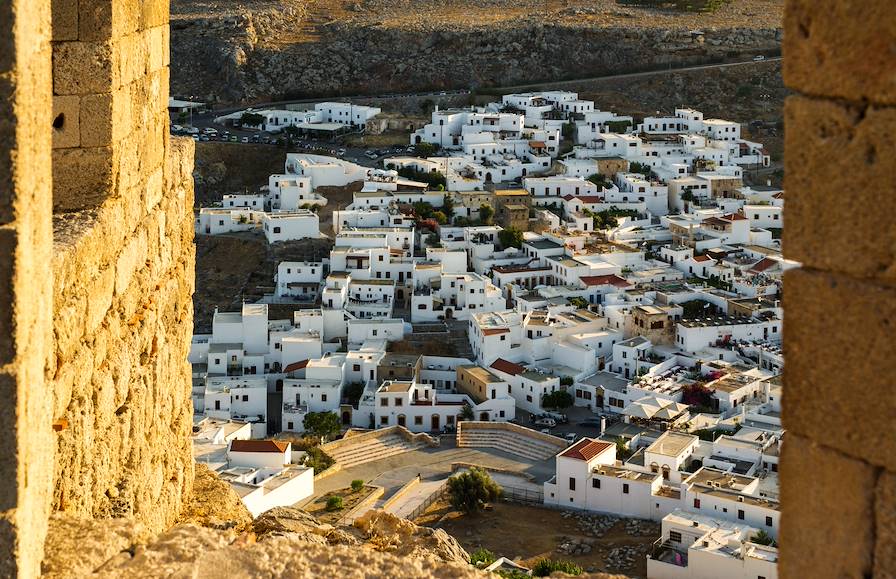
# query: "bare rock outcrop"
[386,532]
[214,503]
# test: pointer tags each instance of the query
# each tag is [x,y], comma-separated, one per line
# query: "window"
[696,503]
[323,397]
[675,536]
[245,397]
[276,230]
[384,402]
[418,420]
[384,420]
[398,402]
[625,488]
[572,483]
[740,514]
[421,307]
[356,367]
[595,483]
[768,521]
[289,426]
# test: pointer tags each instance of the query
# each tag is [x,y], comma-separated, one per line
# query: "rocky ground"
[272,49]
[216,537]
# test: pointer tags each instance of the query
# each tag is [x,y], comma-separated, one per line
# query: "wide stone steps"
[372,449]
[508,442]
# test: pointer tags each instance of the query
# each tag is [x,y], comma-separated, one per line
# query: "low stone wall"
[357,437]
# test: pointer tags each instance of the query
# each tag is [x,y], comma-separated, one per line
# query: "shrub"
[483,555]
[763,538]
[334,504]
[318,459]
[544,567]
[323,424]
[357,484]
[470,491]
[510,237]
[557,399]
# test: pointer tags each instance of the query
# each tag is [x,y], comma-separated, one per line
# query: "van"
[549,422]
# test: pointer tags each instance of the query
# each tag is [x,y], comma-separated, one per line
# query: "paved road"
[508,88]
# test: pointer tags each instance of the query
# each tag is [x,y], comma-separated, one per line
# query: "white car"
[759,58]
[549,422]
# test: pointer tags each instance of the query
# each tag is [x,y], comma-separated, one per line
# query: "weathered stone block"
[885,527]
[66,121]
[83,68]
[102,20]
[840,187]
[99,299]
[132,256]
[828,500]
[154,13]
[65,20]
[82,178]
[99,120]
[839,332]
[841,48]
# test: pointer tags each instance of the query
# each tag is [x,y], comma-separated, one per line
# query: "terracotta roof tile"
[508,367]
[258,446]
[494,331]
[612,279]
[295,366]
[586,449]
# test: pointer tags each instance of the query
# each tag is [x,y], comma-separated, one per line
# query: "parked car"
[545,430]
[549,422]
[558,416]
[176,129]
[571,438]
[759,58]
[234,139]
[245,139]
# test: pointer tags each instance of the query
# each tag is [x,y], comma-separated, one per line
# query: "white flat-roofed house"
[372,298]
[731,497]
[261,474]
[671,451]
[454,296]
[299,279]
[215,220]
[244,201]
[697,334]
[422,408]
[695,546]
[290,225]
[289,192]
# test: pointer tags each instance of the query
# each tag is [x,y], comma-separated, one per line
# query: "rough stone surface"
[214,503]
[403,538]
[885,526]
[26,450]
[123,321]
[821,192]
[821,309]
[814,520]
[841,48]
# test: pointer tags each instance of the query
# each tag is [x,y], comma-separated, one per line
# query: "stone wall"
[26,444]
[838,477]
[96,272]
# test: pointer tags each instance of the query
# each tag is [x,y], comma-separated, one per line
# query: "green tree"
[322,424]
[558,399]
[448,205]
[486,213]
[318,459]
[357,485]
[466,413]
[425,149]
[440,217]
[352,392]
[470,491]
[599,179]
[432,240]
[688,196]
[510,237]
[618,126]
[622,449]
[567,381]
[251,119]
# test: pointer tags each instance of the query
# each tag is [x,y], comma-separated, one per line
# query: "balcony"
[291,408]
[668,553]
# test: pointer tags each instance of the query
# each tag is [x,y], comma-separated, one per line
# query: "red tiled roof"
[508,367]
[494,331]
[612,279]
[702,258]
[734,217]
[591,198]
[295,366]
[586,449]
[763,264]
[258,446]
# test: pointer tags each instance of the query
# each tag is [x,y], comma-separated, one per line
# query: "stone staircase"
[510,438]
[368,449]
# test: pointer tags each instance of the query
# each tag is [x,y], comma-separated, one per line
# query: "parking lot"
[581,422]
